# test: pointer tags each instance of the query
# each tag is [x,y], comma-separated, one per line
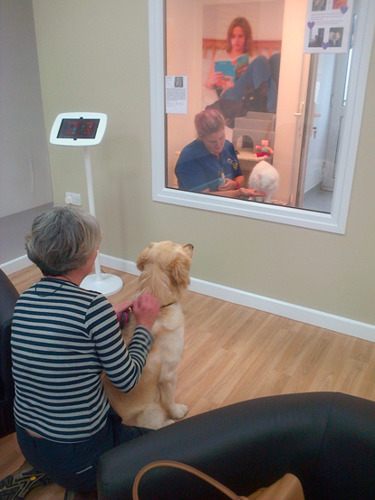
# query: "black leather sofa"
[327,439]
[8,298]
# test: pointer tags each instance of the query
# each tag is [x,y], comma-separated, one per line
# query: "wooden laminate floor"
[233,353]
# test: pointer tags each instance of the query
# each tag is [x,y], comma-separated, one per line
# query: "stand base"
[107,284]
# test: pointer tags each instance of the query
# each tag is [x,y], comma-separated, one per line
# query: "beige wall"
[93,56]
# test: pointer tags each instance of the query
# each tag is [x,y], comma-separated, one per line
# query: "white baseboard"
[297,313]
[15,265]
[127,266]
[314,317]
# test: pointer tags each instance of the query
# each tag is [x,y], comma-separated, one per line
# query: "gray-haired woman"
[63,337]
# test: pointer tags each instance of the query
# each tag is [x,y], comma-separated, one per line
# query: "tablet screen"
[78,128]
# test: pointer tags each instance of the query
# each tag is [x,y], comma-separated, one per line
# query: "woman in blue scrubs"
[209,164]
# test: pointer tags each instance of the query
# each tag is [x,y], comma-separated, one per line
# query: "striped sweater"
[62,339]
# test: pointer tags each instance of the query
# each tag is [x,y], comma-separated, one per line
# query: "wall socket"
[72,198]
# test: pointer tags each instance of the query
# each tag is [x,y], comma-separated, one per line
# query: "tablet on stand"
[85,130]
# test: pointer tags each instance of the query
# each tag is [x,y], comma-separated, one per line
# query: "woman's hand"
[217,79]
[123,306]
[145,309]
[230,184]
[252,193]
[214,78]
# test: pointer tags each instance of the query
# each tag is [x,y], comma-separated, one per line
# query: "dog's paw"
[178,411]
[168,422]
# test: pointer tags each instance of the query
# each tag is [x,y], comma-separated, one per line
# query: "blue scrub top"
[197,169]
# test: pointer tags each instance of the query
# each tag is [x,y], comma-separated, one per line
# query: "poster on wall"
[234,34]
[328,26]
[176,94]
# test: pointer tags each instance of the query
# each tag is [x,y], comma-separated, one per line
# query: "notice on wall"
[176,94]
[328,26]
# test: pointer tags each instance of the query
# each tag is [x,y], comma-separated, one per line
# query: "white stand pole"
[107,284]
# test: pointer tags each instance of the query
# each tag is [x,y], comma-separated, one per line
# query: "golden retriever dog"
[165,268]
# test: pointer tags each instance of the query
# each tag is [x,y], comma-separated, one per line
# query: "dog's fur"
[264,177]
[164,274]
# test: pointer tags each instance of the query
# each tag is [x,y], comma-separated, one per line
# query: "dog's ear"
[179,269]
[142,259]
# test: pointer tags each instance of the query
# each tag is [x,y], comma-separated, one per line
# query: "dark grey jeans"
[73,465]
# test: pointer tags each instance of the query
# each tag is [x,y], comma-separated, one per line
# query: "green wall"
[93,56]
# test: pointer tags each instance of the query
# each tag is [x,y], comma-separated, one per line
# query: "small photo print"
[178,81]
[335,37]
[340,4]
[319,5]
[316,37]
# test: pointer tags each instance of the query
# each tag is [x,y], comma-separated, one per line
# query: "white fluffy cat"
[264,177]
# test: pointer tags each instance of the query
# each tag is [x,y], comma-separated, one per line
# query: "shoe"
[20,483]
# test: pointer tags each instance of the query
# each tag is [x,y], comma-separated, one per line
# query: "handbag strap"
[178,465]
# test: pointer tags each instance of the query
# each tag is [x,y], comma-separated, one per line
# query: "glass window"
[297,73]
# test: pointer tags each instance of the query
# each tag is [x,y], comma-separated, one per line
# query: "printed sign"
[328,26]
[176,94]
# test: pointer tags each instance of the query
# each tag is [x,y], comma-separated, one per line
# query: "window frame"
[335,221]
